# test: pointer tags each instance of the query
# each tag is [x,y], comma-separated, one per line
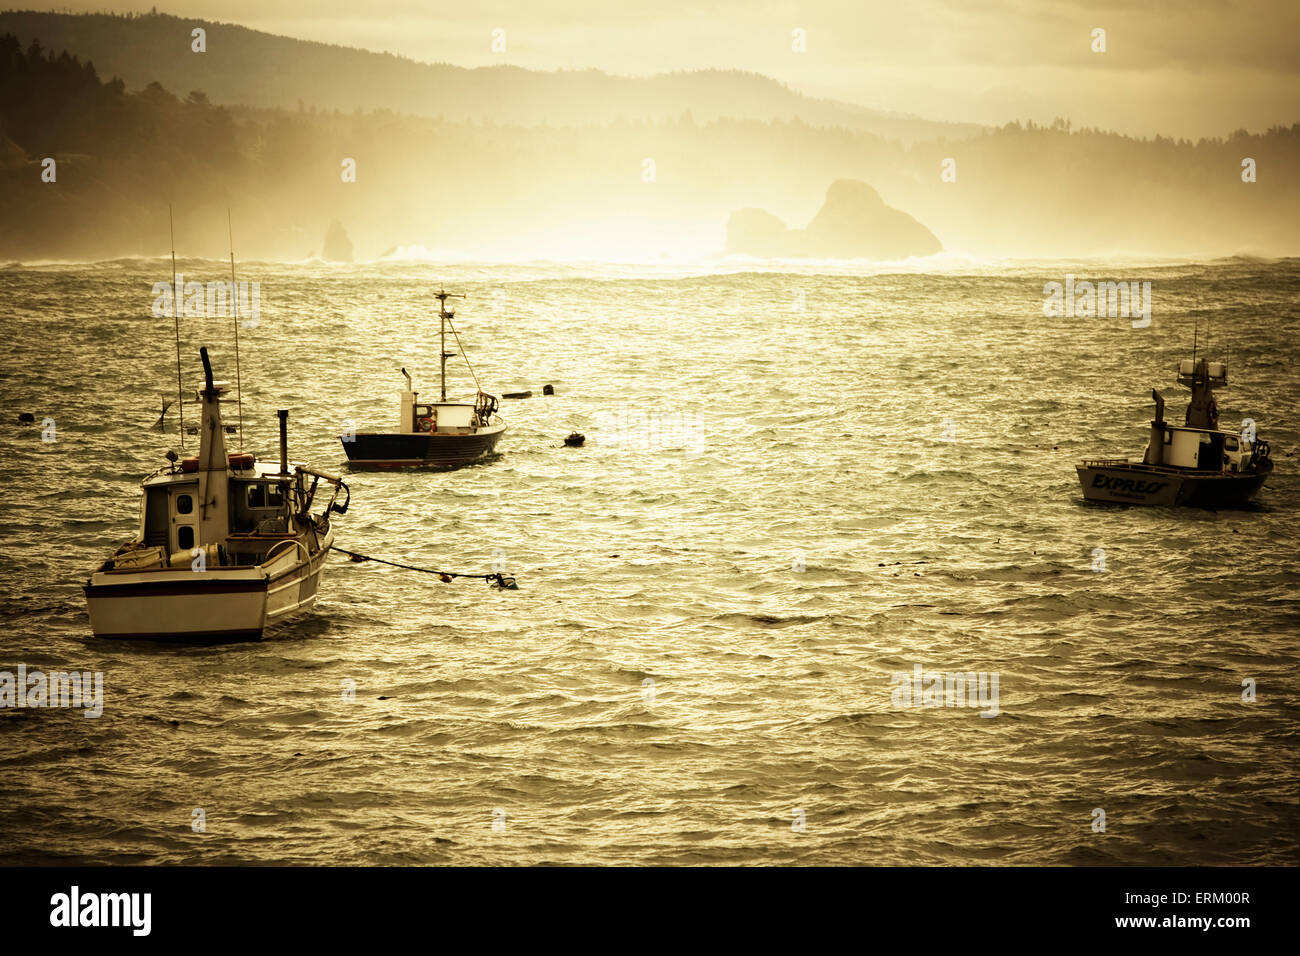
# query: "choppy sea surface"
[799,480]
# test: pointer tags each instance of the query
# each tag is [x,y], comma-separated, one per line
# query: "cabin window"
[184,504]
[1169,438]
[262,495]
[185,537]
[1230,443]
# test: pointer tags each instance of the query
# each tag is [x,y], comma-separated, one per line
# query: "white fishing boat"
[227,547]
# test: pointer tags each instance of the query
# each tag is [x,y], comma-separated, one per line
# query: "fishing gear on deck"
[504,582]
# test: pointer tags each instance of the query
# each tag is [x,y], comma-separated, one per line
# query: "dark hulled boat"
[442,433]
[1196,463]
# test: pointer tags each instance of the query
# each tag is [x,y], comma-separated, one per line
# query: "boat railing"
[332,505]
[1104,462]
[274,552]
[485,407]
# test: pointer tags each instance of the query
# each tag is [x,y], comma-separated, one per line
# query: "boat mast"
[234,298]
[180,395]
[443,315]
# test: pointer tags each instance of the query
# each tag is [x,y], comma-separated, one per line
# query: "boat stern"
[178,604]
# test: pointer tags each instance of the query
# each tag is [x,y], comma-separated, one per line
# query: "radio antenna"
[234,299]
[176,293]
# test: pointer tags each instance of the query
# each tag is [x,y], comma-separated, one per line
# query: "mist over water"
[667,686]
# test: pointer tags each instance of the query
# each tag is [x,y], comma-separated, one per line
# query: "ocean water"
[799,480]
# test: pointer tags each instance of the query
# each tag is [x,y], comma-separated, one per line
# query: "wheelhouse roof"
[260,471]
[1208,431]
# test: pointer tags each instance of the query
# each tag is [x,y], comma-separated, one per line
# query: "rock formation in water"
[756,232]
[854,222]
[338,247]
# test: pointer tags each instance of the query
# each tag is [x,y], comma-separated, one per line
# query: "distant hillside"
[624,188]
[250,68]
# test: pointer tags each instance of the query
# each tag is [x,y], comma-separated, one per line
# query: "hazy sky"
[1182,68]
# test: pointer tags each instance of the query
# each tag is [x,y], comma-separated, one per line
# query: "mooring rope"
[502,581]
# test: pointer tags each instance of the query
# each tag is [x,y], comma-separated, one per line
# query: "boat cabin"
[1203,449]
[443,418]
[261,505]
[1198,444]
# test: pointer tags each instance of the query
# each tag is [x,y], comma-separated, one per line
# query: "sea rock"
[338,247]
[756,232]
[854,222]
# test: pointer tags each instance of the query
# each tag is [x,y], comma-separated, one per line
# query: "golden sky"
[1182,68]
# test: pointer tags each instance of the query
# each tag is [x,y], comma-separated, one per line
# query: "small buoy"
[516,394]
[548,389]
[26,418]
[575,440]
[356,557]
[445,578]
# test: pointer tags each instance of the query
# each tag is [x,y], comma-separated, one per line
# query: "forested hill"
[251,68]
[623,188]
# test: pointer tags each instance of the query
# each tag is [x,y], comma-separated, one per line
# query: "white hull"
[223,604]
